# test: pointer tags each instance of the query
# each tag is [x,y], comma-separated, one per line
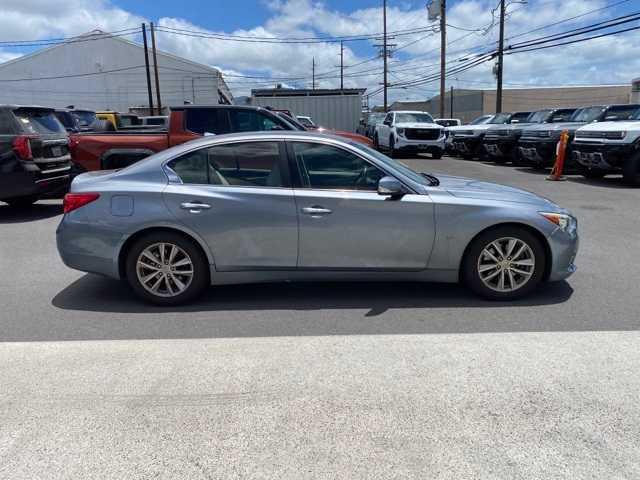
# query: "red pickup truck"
[104,151]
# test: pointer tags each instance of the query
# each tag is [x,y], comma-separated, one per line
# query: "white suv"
[406,131]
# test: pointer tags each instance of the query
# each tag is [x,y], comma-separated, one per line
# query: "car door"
[345,224]
[237,197]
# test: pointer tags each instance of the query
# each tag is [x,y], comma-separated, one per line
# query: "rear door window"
[38,121]
[212,121]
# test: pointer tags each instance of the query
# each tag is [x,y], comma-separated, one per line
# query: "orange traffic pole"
[561,151]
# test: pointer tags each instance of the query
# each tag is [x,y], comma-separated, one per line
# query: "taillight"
[73,201]
[22,147]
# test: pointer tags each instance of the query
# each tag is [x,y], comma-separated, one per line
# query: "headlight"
[400,131]
[565,222]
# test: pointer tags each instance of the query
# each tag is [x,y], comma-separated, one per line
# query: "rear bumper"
[602,156]
[88,247]
[23,179]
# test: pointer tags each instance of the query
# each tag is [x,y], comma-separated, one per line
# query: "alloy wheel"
[164,269]
[506,264]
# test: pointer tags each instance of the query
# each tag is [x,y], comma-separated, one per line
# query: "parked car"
[280,206]
[537,145]
[448,122]
[467,139]
[34,154]
[449,146]
[373,119]
[409,131]
[500,142]
[68,120]
[612,146]
[307,122]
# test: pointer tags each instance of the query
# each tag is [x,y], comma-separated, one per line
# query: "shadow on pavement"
[99,294]
[35,212]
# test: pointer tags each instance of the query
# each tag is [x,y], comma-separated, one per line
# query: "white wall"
[179,80]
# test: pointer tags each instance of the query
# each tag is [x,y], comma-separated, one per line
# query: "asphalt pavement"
[353,380]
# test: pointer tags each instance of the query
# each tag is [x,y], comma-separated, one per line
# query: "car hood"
[481,190]
[473,128]
[417,125]
[554,126]
[612,126]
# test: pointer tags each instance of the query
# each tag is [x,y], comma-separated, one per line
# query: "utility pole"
[341,65]
[500,59]
[443,51]
[385,53]
[313,73]
[451,98]
[155,68]
[146,63]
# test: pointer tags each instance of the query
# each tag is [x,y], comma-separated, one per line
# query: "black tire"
[592,174]
[469,270]
[499,160]
[22,202]
[437,155]
[392,148]
[631,170]
[467,156]
[376,142]
[201,275]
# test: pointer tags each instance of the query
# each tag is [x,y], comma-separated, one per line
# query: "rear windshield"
[38,121]
[413,117]
[588,114]
[620,112]
[563,115]
[85,118]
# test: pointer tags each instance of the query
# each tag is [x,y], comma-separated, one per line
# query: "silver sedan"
[287,206]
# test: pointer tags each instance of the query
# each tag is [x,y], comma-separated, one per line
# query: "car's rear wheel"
[167,268]
[504,263]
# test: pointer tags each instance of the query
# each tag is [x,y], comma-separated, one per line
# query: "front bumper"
[540,153]
[429,146]
[602,156]
[467,145]
[564,249]
[500,147]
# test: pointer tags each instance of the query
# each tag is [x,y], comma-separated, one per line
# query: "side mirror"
[390,187]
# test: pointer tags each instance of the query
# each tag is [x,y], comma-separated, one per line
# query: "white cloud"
[607,60]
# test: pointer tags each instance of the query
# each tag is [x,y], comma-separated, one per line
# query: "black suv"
[34,154]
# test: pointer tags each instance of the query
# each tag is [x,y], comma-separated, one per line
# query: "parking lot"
[341,380]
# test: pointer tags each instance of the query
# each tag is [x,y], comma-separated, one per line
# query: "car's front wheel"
[504,263]
[167,268]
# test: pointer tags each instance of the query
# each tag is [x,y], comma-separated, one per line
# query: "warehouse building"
[468,104]
[103,72]
[339,109]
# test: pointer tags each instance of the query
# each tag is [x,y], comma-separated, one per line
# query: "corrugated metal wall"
[179,80]
[340,112]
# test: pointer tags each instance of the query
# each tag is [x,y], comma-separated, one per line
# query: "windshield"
[588,114]
[39,121]
[293,124]
[306,122]
[401,167]
[520,117]
[620,112]
[85,118]
[482,120]
[563,115]
[500,118]
[413,117]
[537,117]
[375,118]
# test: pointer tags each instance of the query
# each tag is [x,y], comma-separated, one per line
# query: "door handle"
[195,207]
[316,210]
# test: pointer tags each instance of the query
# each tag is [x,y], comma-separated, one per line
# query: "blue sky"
[473,29]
